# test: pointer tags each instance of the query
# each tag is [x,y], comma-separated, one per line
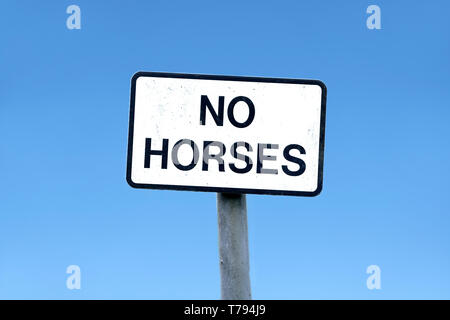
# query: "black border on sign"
[226,78]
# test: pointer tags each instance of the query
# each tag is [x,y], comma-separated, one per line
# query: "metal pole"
[233,246]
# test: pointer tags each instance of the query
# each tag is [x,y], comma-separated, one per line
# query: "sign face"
[226,134]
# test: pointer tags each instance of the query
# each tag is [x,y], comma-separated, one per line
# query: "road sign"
[226,134]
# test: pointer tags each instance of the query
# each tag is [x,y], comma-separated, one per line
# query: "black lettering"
[251,112]
[240,156]
[195,154]
[218,157]
[289,157]
[218,117]
[262,157]
[149,152]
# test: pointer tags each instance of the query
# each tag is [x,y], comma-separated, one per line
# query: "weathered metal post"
[233,246]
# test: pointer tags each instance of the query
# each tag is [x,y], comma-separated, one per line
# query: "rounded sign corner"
[322,85]
[136,76]
[316,192]
[131,183]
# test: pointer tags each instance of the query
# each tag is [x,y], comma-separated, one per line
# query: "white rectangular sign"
[226,134]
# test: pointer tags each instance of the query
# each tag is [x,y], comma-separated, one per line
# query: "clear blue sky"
[64,103]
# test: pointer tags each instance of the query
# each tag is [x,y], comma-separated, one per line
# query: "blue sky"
[64,103]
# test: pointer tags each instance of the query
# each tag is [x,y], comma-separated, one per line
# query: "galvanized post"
[233,246]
